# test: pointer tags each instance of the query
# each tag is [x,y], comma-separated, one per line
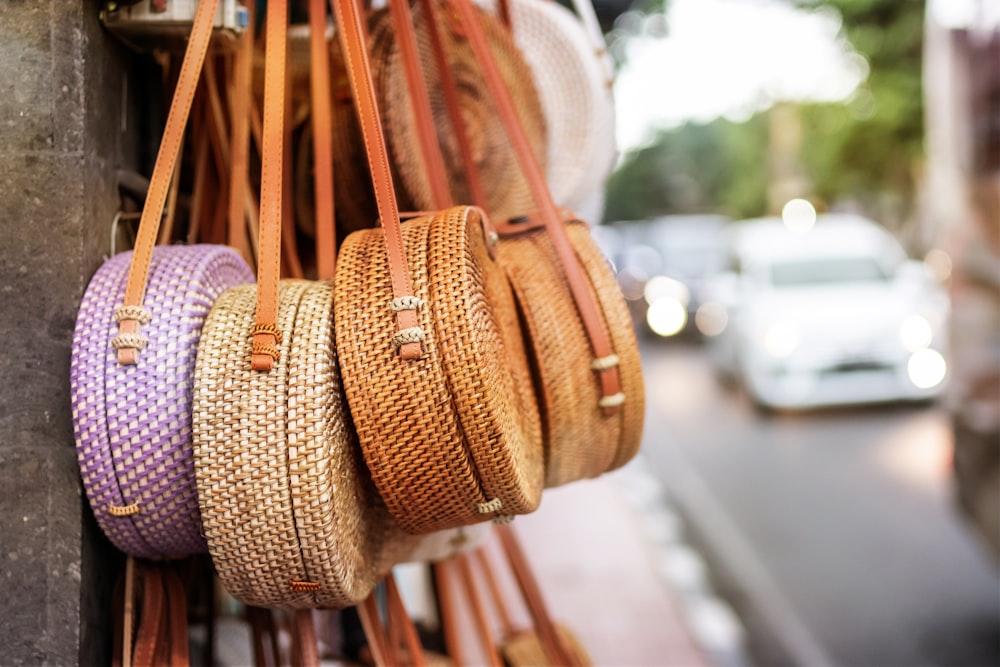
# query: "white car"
[834,314]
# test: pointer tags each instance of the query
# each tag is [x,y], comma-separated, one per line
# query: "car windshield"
[823,271]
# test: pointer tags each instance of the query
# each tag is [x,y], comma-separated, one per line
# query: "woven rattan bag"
[431,352]
[582,345]
[576,98]
[289,512]
[505,191]
[133,358]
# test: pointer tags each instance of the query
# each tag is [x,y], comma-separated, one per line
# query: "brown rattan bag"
[430,351]
[582,344]
[507,192]
[288,510]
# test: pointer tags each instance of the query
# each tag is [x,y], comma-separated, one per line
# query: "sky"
[728,58]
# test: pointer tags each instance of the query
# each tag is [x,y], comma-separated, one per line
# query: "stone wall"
[63,134]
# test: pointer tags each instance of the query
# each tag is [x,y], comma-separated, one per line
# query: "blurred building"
[961,206]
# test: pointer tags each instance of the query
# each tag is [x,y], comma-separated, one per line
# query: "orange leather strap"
[177,624]
[378,644]
[150,635]
[430,148]
[266,335]
[322,127]
[398,618]
[351,32]
[449,90]
[506,622]
[240,98]
[129,339]
[528,585]
[264,637]
[128,612]
[478,611]
[305,638]
[586,303]
[505,15]
[449,613]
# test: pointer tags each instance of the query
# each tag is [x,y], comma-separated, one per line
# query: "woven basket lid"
[576,98]
[133,423]
[452,438]
[289,512]
[506,190]
[580,441]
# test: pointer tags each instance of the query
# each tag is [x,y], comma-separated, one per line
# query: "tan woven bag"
[583,348]
[431,352]
[289,513]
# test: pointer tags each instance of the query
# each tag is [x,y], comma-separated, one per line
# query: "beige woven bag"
[431,352]
[289,512]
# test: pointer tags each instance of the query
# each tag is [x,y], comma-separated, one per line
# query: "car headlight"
[662,287]
[926,368]
[781,339]
[711,318]
[916,333]
[666,316]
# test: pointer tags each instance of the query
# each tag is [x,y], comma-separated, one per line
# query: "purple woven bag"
[132,423]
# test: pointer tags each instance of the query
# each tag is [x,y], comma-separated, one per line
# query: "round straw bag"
[581,440]
[133,357]
[582,344]
[451,438]
[290,515]
[430,350]
[506,191]
[133,423]
[575,96]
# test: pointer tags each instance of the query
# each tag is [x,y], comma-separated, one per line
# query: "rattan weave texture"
[506,190]
[291,517]
[449,434]
[576,99]
[132,423]
[580,441]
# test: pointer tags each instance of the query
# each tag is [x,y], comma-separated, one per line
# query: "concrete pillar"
[63,134]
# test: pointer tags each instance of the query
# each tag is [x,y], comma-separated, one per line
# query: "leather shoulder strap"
[129,341]
[241,100]
[265,333]
[532,593]
[605,360]
[322,127]
[351,31]
[430,148]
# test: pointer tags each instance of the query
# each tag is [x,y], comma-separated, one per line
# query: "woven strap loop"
[137,313]
[267,329]
[492,506]
[303,586]
[125,510]
[613,401]
[267,350]
[129,341]
[604,363]
[408,335]
[503,519]
[406,303]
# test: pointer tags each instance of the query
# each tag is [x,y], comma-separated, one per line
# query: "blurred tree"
[715,167]
[869,151]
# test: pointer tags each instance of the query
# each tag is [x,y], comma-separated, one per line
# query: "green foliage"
[868,150]
[716,167]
